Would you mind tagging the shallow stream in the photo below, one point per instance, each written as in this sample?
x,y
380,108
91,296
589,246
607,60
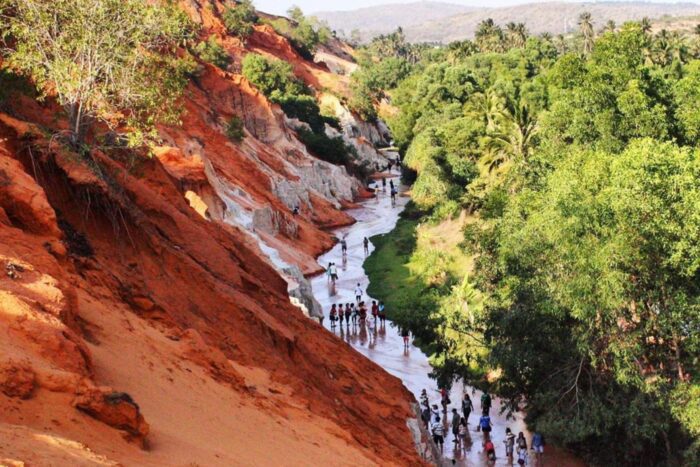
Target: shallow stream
x,y
384,345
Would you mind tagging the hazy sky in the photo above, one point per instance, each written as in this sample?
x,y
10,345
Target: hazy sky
x,y
311,6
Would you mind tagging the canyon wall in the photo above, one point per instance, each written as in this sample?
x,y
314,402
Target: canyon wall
x,y
153,310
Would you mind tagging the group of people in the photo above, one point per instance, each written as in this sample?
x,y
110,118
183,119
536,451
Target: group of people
x,y
357,314
458,427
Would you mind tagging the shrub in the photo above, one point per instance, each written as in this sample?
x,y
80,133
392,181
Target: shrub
x,y
211,52
234,129
333,150
303,108
270,75
240,20
126,59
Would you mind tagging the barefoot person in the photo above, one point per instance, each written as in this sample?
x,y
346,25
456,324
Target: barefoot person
x,y
438,433
456,420
538,446
405,334
510,443
467,407
333,315
358,293
382,312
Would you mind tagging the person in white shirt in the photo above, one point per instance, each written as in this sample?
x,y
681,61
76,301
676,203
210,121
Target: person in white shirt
x,y
358,293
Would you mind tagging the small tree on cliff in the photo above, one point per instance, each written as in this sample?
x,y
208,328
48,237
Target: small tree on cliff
x,y
99,58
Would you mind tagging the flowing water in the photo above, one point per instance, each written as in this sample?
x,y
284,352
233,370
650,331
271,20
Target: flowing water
x,y
384,345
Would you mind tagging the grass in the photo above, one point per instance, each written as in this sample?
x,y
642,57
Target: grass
x,y
414,267
387,267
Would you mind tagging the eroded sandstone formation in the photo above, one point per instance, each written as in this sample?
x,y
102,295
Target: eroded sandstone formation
x,y
145,314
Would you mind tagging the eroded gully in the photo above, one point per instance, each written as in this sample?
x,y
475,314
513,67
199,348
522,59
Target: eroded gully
x,y
385,347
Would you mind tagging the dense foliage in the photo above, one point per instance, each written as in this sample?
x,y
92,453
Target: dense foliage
x,y
575,163
212,52
98,56
276,80
240,20
304,33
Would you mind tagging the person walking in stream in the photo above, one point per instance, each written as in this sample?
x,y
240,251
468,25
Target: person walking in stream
x,y
384,184
358,293
485,403
382,313
365,242
328,271
333,272
444,399
438,433
467,407
344,247
538,446
333,315
405,334
485,424
341,314
348,313
510,443
393,197
375,311
456,420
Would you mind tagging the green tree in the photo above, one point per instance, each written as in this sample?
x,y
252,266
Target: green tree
x,y
271,75
585,24
212,52
240,19
489,36
98,56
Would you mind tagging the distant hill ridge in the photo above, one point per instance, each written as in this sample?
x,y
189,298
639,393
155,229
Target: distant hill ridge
x,y
445,22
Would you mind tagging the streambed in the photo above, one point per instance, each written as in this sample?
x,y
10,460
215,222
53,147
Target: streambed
x,y
385,346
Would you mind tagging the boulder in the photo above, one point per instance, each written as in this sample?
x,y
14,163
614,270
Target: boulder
x,y
17,379
116,409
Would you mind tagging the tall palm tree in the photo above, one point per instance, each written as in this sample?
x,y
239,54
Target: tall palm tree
x,y
560,44
678,47
489,36
486,106
585,24
514,137
645,23
522,34
610,26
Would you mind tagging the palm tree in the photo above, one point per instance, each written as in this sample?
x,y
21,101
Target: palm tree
x,y
489,36
560,44
521,33
585,24
645,23
514,136
678,47
486,106
610,26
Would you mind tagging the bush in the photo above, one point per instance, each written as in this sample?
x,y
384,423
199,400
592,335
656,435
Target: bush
x,y
271,74
211,52
234,129
333,150
240,20
303,108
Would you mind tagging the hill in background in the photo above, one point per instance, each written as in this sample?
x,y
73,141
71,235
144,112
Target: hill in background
x,y
440,22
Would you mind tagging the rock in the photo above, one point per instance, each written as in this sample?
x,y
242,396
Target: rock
x,y
116,409
17,379
143,303
301,293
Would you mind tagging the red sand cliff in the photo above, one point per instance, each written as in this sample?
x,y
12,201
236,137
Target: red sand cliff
x,y
134,331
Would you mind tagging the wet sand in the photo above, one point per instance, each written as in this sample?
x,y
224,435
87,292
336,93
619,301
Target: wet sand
x,y
385,346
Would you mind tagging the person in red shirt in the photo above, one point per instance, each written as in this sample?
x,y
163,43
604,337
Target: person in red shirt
x,y
375,310
490,450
